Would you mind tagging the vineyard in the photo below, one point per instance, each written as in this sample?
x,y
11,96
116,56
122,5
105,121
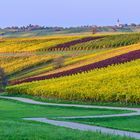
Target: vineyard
x,y
67,43
16,64
101,64
98,60
42,62
109,42
33,44
112,84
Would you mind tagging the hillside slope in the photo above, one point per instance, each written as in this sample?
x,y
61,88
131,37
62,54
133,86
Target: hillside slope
x,y
118,83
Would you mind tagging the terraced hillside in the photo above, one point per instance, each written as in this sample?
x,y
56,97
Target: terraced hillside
x,y
94,67
40,44
38,48
20,54
112,84
101,64
16,64
59,43
100,60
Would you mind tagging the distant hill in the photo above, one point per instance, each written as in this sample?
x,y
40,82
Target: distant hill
x,y
35,30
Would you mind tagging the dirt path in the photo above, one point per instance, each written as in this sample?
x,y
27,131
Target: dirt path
x,y
79,126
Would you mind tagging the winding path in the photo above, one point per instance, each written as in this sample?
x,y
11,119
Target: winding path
x,y
83,127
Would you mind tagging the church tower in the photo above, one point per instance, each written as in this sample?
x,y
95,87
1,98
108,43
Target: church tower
x,y
118,23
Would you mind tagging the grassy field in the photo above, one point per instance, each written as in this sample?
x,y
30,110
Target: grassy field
x,y
21,130
121,123
24,110
12,127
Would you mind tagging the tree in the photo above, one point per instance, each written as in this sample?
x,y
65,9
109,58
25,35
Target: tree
x,y
94,31
3,80
58,62
133,25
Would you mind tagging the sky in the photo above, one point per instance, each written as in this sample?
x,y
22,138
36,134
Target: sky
x,y
68,13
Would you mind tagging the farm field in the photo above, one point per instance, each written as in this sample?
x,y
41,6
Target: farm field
x,y
93,74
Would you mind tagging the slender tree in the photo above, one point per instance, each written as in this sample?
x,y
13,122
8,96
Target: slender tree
x,y
58,62
94,31
3,80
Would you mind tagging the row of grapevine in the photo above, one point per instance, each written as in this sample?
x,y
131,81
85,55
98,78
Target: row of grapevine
x,y
10,45
13,65
119,83
71,43
101,64
28,45
85,58
109,42
68,43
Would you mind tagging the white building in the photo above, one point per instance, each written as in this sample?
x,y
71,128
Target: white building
x,y
119,24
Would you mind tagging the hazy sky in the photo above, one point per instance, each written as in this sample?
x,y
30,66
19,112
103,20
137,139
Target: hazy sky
x,y
68,12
